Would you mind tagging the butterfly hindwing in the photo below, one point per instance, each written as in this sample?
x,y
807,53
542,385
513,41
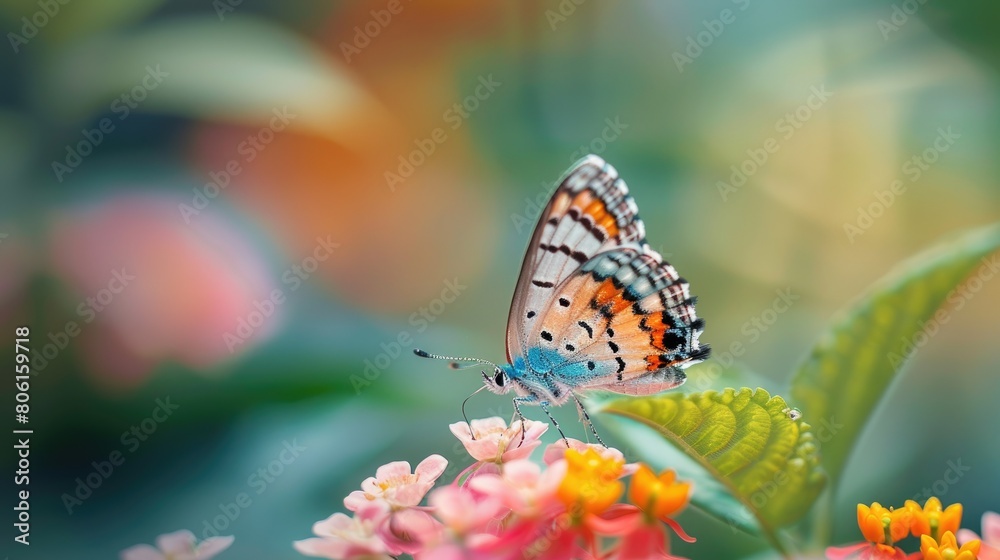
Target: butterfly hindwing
x,y
630,324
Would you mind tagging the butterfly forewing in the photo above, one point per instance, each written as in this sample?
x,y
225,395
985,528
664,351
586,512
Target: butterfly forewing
x,y
590,212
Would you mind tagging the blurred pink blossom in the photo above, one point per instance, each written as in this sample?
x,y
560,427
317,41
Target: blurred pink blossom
x,y
178,546
990,549
523,487
157,288
341,536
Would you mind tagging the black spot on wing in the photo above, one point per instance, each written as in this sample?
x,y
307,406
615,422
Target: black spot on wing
x,y
564,302
621,366
586,327
613,346
571,348
547,335
542,284
531,314
591,366
672,341
611,332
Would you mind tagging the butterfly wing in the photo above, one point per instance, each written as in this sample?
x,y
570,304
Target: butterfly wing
x,y
590,212
603,310
629,326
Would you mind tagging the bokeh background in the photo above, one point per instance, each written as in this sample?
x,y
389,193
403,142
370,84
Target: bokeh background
x,y
177,162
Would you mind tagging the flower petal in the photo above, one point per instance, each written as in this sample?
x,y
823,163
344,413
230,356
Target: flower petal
x,y
212,546
332,525
142,552
394,469
430,468
179,542
991,529
322,548
491,424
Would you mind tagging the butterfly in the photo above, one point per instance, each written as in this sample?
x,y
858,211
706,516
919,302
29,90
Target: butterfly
x,y
594,308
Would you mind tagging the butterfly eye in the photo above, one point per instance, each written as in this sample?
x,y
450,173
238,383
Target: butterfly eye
x,y
499,378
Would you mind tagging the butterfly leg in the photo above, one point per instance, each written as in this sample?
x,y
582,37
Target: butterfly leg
x,y
517,410
533,399
586,419
545,406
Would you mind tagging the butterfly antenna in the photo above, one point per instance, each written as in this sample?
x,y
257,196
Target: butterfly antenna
x,y
453,359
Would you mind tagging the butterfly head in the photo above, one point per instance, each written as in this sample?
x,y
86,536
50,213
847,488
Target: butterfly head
x,y
499,381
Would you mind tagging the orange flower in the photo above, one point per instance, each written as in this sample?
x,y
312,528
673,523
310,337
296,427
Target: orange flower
x,y
931,520
658,496
948,548
883,526
592,482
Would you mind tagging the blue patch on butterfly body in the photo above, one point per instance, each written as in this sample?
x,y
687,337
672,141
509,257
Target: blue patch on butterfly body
x,y
541,362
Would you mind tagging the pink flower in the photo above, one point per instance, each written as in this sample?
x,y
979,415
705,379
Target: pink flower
x,y
395,485
523,488
343,537
178,546
490,440
465,511
409,531
990,549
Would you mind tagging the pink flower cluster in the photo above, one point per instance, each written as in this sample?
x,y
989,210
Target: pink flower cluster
x,y
502,507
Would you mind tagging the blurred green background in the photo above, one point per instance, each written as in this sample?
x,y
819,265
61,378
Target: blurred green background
x,y
380,170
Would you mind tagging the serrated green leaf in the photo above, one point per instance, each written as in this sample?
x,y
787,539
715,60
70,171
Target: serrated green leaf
x,y
852,365
748,442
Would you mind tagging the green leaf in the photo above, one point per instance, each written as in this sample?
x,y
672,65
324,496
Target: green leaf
x,y
854,362
748,442
243,70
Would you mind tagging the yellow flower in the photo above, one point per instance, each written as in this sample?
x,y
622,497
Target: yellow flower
x,y
931,520
880,525
592,482
948,548
659,496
